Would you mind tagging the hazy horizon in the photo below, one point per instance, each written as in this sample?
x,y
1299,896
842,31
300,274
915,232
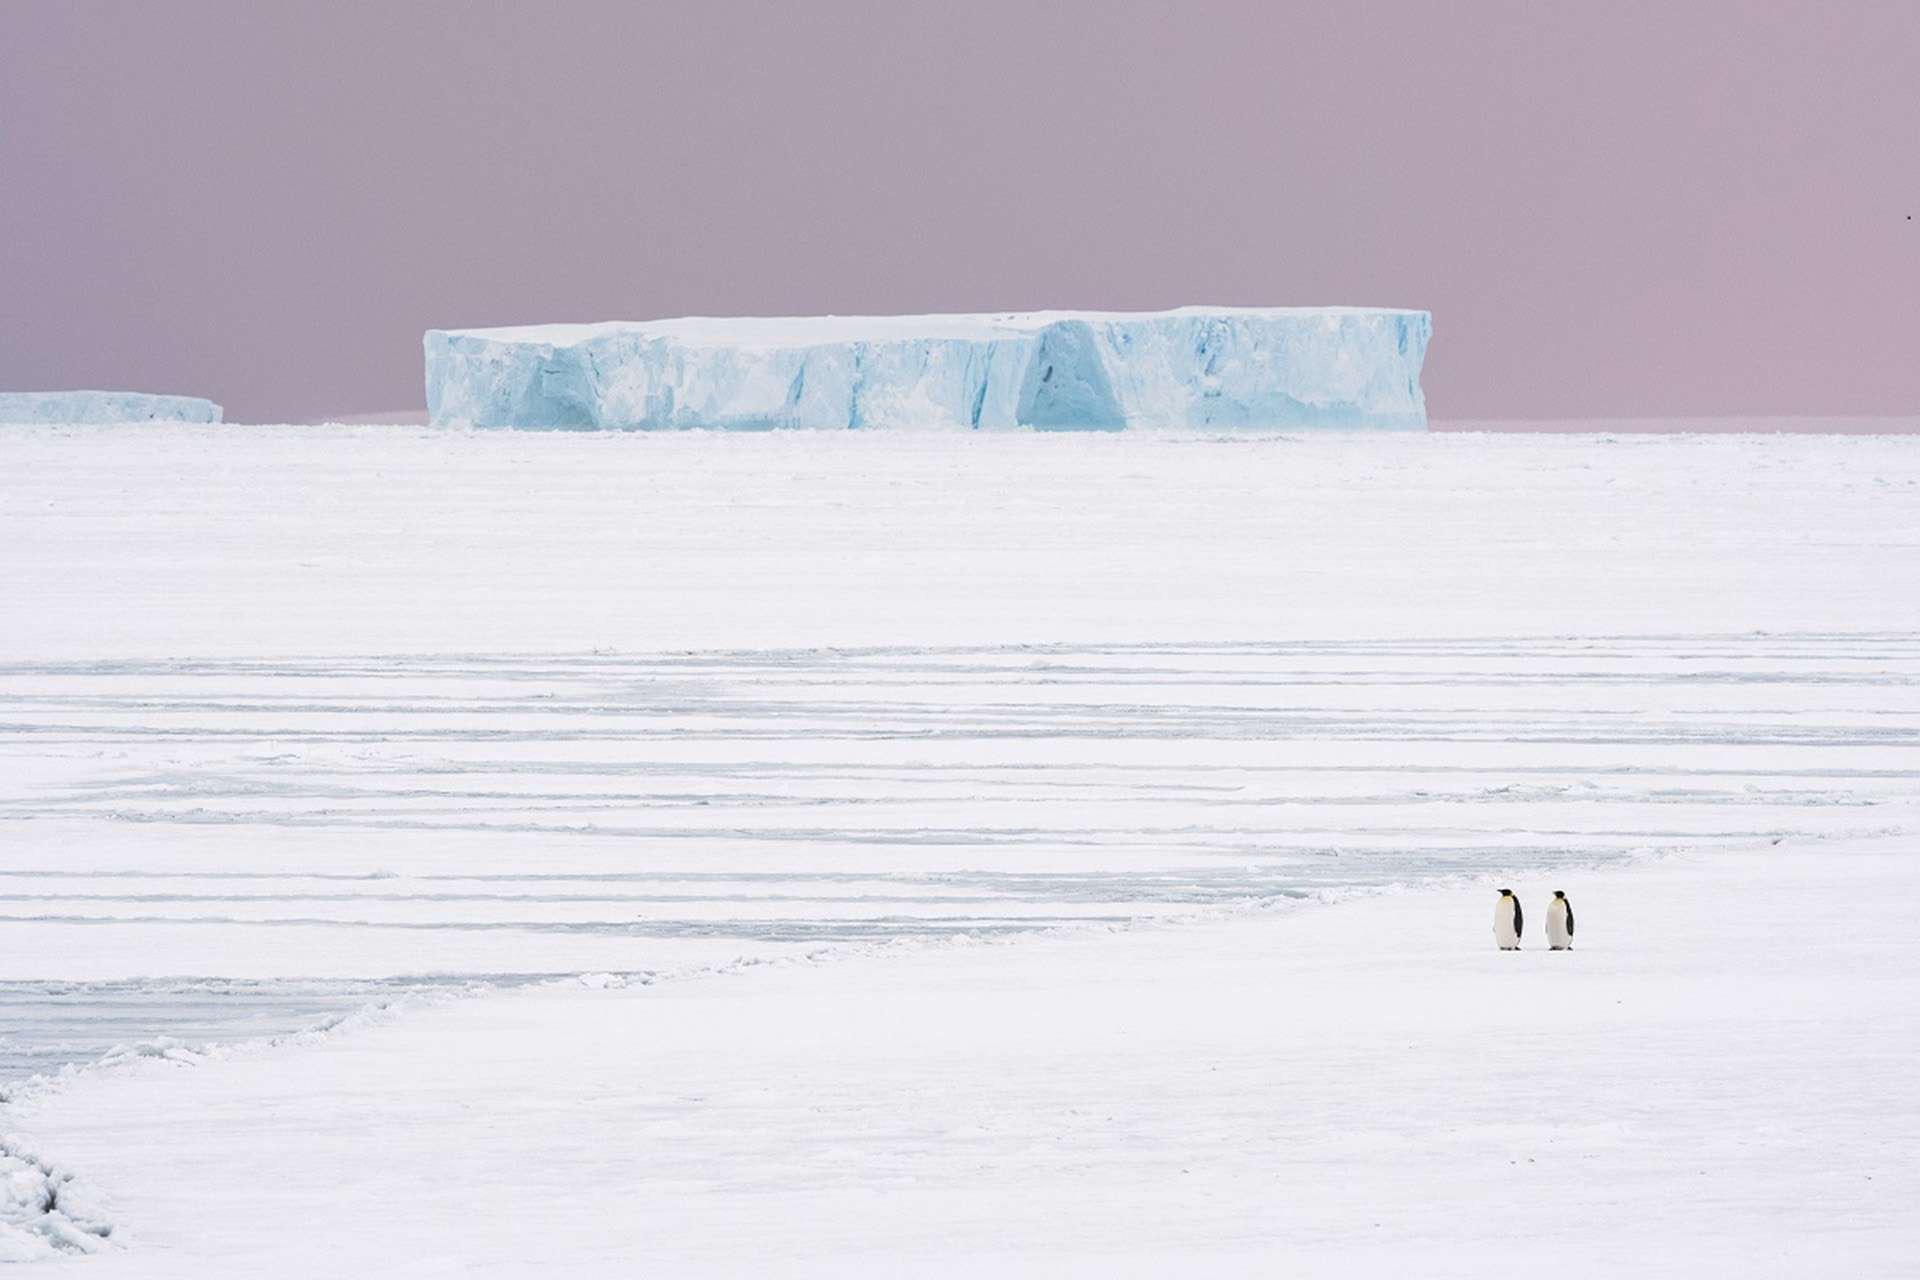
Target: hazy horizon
x,y
1624,211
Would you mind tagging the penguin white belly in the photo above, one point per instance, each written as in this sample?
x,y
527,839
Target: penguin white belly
x,y
1503,930
1559,937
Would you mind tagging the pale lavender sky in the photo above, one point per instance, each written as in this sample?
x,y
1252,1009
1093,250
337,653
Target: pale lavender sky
x,y
1611,208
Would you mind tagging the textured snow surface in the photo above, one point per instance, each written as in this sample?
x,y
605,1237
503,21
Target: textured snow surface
x,y
102,407
1054,370
844,855
1717,1080
470,819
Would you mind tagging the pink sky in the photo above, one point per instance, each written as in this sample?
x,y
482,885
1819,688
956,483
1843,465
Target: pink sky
x,y
1615,209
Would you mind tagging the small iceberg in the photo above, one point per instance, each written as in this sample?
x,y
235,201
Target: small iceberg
x,y
103,406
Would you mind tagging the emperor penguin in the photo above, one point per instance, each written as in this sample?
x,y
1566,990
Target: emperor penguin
x,y
1508,921
1560,922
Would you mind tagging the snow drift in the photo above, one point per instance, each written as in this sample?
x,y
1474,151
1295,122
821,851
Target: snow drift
x,y
1053,370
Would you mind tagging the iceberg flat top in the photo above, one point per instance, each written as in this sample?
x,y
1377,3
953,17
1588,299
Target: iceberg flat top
x,y
805,331
1206,367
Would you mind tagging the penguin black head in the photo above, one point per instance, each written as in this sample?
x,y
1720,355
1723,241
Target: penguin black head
x,y
1558,894
1506,893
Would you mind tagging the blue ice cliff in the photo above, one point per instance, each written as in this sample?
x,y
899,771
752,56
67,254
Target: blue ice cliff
x,y
103,406
1050,370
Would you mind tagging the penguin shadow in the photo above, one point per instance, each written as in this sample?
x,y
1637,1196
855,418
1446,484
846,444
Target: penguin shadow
x,y
1510,922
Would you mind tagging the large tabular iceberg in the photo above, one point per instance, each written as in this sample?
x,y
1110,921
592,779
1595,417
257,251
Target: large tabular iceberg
x,y
103,406
1058,370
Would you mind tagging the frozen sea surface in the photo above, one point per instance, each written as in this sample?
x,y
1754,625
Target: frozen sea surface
x,y
201,851
297,720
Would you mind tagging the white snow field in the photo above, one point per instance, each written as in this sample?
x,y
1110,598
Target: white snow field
x,y
428,852
1208,367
